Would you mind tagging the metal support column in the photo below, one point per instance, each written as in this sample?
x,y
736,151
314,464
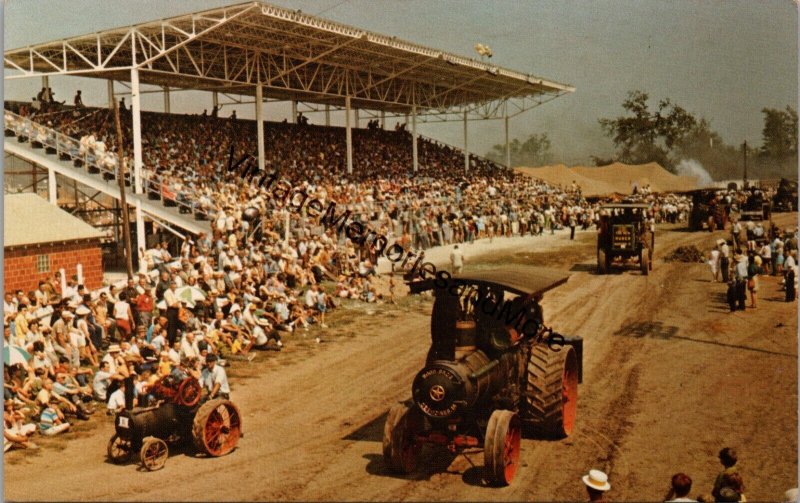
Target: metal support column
x,y
51,186
327,115
141,243
508,146
414,138
166,100
357,118
349,135
214,99
294,112
466,145
136,112
260,124
383,119
110,94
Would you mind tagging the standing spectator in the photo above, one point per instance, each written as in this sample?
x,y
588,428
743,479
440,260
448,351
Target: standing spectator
x,y
740,273
790,275
124,317
714,263
78,101
173,309
766,257
753,270
572,223
131,292
456,261
777,254
728,458
724,259
680,486
144,306
596,486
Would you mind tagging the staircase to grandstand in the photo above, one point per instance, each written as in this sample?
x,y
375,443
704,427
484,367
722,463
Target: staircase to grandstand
x,y
46,147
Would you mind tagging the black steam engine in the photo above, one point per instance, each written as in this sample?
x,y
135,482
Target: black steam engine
x,y
493,372
180,414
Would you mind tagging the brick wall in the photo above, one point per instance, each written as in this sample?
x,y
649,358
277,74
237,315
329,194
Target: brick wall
x,y
20,264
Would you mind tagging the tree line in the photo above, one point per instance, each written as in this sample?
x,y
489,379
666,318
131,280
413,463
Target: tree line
x,y
667,133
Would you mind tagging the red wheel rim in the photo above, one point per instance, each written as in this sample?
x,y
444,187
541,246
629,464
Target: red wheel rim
x,y
189,392
569,394
511,449
222,430
154,455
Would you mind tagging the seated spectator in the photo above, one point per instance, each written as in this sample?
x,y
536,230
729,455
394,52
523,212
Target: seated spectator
x,y
102,380
52,422
16,431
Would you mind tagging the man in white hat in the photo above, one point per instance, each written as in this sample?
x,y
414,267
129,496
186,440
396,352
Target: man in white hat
x,y
596,485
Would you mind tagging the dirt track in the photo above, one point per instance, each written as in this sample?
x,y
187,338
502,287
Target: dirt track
x,y
670,377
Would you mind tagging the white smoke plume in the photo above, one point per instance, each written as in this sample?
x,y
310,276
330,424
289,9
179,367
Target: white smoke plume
x,y
690,167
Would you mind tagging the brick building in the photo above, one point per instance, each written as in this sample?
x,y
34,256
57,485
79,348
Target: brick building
x,y
40,238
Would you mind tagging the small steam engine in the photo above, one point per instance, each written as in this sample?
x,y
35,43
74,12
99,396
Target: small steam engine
x,y
180,414
493,370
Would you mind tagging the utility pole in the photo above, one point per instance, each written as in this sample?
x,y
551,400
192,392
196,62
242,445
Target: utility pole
x,y
744,153
126,224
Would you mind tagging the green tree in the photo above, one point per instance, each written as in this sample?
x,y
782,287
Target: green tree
x,y
646,135
534,151
779,133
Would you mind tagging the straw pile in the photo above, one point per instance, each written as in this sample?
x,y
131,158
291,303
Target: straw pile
x,y
690,254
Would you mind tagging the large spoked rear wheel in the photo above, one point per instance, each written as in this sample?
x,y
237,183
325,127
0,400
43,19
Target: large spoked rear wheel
x,y
551,395
401,450
154,453
119,450
502,446
217,427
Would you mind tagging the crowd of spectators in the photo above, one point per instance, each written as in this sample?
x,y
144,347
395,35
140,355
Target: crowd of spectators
x,y
728,485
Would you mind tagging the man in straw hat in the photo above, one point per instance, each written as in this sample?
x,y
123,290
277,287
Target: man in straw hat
x,y
596,485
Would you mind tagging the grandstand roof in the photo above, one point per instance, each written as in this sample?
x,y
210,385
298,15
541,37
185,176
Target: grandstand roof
x,y
295,56
31,220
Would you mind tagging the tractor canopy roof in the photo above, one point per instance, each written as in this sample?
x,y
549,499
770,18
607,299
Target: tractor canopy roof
x,y
520,280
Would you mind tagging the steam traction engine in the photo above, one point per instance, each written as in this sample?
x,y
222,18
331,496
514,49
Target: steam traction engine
x,y
180,414
493,371
623,234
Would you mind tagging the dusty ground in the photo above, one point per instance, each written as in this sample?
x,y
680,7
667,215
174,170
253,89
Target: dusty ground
x,y
670,377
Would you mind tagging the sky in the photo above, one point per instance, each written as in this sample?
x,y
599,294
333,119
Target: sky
x,y
721,60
